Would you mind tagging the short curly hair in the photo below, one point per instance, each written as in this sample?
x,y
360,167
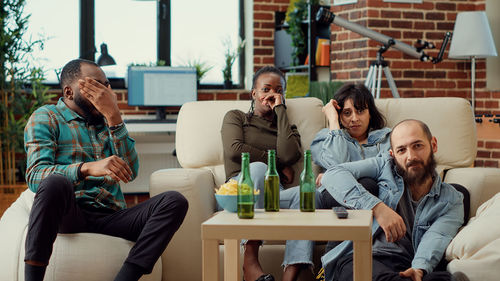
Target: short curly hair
x,y
72,71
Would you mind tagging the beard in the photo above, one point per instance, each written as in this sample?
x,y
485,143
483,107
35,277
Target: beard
x,y
90,113
420,173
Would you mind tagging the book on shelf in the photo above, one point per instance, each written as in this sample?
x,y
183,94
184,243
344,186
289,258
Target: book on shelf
x,y
322,56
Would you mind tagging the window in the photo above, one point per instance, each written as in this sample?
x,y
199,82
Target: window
x,y
198,32
60,28
129,29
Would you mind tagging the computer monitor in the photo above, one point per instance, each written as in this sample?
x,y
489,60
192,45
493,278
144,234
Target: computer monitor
x,y
161,86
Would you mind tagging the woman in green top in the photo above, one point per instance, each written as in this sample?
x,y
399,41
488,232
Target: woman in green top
x,y
265,126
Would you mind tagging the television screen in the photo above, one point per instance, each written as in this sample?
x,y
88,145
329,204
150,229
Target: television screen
x,y
161,85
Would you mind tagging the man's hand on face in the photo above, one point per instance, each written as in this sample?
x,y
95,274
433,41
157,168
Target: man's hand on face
x,y
414,273
103,98
112,166
393,225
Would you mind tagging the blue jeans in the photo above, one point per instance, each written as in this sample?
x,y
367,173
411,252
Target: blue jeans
x,y
297,251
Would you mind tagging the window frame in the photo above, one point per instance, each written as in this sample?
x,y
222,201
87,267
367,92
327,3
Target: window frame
x,y
88,50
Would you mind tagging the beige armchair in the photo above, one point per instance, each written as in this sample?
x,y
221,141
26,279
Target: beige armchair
x,y
79,256
199,151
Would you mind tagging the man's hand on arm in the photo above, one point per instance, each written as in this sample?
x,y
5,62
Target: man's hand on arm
x,y
103,98
414,273
392,223
112,166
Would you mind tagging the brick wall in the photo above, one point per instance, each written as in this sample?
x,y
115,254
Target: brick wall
x,y
352,53
263,33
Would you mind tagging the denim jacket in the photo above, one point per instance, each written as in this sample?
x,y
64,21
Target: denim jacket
x,y
332,147
437,219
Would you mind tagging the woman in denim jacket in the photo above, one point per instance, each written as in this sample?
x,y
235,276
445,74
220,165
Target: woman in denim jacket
x,y
356,131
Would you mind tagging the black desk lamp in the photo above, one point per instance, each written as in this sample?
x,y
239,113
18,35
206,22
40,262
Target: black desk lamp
x,y
105,58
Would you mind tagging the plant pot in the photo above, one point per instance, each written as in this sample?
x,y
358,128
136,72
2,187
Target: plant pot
x,y
228,84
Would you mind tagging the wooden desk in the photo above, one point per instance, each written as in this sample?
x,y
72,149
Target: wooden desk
x,y
321,225
154,143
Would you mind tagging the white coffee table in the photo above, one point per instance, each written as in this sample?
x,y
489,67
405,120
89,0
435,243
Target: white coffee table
x,y
321,225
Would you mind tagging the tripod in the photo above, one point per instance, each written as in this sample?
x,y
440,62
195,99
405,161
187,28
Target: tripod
x,y
374,77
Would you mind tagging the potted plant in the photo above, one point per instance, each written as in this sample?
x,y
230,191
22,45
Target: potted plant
x,y
230,56
201,69
21,91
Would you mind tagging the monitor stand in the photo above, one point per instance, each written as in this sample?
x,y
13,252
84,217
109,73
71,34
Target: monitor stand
x,y
160,113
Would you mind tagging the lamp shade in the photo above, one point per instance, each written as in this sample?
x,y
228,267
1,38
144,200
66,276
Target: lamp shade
x,y
472,37
105,58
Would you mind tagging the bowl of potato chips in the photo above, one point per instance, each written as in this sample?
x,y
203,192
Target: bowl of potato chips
x,y
227,196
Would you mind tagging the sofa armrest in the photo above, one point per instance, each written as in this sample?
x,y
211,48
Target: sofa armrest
x,y
482,183
183,255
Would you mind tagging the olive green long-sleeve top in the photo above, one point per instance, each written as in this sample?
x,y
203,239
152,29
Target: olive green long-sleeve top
x,y
242,133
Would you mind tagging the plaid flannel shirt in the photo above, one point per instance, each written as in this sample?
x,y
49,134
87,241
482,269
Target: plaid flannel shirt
x,y
58,140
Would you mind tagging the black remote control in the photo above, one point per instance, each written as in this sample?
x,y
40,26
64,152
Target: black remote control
x,y
341,212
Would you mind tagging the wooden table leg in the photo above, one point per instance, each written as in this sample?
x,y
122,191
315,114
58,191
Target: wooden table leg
x,y
210,260
232,259
362,263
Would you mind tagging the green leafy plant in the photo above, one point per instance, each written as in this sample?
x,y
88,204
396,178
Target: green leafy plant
x,y
230,55
324,90
21,88
296,14
201,67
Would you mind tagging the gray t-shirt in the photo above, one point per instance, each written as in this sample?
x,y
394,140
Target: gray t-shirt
x,y
404,248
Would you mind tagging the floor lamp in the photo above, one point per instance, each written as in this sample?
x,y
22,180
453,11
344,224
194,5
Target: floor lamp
x,y
472,39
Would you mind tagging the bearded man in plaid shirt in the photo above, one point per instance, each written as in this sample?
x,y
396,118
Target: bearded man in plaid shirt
x,y
78,152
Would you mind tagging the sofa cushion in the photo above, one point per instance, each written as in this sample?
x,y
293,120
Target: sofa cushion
x,y
475,251
449,119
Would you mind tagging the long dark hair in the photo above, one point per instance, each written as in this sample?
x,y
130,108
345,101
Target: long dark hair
x,y
361,99
263,70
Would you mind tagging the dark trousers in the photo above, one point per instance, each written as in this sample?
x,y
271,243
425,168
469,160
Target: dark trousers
x,y
385,268
151,224
328,201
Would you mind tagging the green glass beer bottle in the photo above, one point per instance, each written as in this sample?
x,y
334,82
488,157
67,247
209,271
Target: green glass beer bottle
x,y
307,185
245,189
271,184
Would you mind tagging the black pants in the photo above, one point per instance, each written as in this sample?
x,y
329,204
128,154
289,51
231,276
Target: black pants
x,y
368,183
385,268
151,224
